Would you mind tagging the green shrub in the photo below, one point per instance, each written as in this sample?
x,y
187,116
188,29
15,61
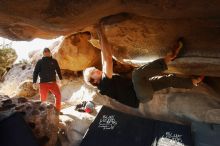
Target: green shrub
x,y
7,58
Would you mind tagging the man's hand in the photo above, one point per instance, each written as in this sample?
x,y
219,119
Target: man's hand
x,y
35,86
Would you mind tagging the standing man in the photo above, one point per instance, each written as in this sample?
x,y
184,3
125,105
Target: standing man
x,y
46,68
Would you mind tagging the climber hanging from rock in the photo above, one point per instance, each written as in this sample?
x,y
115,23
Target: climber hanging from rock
x,y
145,80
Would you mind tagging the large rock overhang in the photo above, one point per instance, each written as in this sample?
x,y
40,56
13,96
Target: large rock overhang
x,y
138,30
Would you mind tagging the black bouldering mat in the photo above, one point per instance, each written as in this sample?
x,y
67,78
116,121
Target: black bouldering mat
x,y
170,134
206,134
15,132
114,128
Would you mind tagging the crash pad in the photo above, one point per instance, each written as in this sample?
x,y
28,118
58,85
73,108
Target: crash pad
x,y
114,128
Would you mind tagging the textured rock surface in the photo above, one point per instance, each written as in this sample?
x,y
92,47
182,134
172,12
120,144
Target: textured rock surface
x,y
73,52
76,53
51,18
41,117
139,39
25,89
18,81
198,104
139,30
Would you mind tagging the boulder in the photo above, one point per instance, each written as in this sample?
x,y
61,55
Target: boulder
x,y
18,81
76,53
42,118
25,89
184,105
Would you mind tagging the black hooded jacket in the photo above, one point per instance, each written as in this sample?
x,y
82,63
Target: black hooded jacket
x,y
46,68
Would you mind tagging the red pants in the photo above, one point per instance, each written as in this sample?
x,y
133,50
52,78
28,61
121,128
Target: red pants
x,y
54,89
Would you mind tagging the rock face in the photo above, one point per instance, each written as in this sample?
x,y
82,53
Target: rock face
x,y
76,53
25,89
138,30
140,39
197,104
50,18
73,52
41,117
18,81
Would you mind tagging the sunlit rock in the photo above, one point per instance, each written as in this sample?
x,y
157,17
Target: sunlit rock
x,y
198,104
25,89
52,18
76,53
14,79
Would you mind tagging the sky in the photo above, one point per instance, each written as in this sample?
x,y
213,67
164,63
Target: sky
x,y
22,48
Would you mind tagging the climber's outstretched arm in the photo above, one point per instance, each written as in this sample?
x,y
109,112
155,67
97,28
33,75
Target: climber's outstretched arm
x,y
106,52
